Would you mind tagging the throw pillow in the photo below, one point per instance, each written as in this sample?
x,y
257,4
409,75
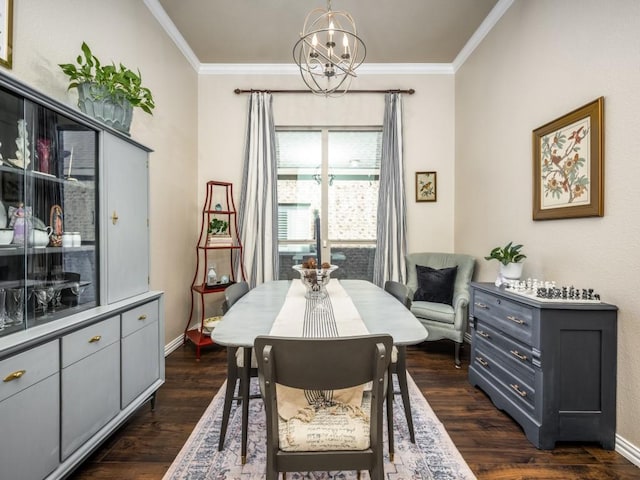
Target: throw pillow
x,y
435,285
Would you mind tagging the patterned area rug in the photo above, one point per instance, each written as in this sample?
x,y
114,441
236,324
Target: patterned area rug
x,y
432,457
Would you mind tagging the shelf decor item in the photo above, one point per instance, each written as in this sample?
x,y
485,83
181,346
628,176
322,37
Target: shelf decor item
x,y
426,187
568,165
107,92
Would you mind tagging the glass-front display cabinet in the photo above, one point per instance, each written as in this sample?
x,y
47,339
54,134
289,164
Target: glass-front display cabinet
x,y
48,214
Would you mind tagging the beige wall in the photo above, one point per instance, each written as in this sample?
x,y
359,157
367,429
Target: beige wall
x,y
48,33
428,135
542,60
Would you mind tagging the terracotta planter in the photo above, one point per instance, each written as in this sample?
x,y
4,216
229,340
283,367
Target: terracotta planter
x,y
95,101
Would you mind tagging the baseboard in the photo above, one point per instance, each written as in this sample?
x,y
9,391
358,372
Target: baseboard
x,y
628,450
173,345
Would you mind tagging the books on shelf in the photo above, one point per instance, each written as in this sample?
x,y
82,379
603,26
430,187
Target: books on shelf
x,y
219,241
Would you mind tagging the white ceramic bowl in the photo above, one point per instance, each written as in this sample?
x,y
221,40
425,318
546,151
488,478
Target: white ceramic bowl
x,y
6,236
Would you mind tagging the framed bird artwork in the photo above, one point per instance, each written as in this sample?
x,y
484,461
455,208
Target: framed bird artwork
x,y
426,187
568,165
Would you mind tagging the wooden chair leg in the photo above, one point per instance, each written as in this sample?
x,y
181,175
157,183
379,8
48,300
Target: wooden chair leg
x,y
232,379
244,386
401,373
458,345
390,415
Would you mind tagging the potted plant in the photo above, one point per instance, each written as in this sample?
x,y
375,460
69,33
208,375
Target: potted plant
x,y
107,92
510,259
217,235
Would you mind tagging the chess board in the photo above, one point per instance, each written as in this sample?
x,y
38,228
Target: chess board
x,y
549,292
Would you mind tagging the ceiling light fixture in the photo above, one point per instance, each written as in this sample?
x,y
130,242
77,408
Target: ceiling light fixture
x,y
329,51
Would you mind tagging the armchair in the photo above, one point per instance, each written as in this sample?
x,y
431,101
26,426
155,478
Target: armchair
x,y
442,320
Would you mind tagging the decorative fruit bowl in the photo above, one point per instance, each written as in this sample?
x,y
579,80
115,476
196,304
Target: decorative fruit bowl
x,y
315,279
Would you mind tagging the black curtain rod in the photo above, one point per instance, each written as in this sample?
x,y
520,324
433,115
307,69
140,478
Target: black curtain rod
x,y
410,91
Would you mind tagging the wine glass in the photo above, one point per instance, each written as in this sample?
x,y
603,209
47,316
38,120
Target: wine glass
x,y
3,311
18,314
44,295
77,289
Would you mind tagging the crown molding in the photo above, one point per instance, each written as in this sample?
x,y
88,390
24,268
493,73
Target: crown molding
x,y
293,69
485,27
169,27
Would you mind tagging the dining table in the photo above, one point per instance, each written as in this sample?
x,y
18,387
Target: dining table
x,y
255,313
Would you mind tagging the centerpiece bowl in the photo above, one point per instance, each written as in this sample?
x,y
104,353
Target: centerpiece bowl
x,y
314,279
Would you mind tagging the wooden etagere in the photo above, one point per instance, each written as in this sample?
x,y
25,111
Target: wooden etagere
x,y
218,204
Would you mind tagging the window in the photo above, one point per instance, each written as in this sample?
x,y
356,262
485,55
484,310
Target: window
x,y
333,172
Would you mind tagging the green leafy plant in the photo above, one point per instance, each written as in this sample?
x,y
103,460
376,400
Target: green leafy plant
x,y
119,82
508,254
217,226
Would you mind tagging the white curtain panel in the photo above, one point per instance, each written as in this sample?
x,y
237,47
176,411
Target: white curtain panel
x,y
258,213
391,247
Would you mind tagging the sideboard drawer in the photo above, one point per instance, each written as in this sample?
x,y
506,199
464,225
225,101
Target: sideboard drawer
x,y
28,368
139,317
513,354
89,340
512,318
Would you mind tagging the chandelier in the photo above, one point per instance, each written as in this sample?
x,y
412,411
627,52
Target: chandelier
x,y
329,51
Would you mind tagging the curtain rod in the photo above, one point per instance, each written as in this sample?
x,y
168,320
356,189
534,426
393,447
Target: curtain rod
x,y
410,91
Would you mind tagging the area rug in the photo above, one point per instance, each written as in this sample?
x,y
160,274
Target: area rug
x,y
432,457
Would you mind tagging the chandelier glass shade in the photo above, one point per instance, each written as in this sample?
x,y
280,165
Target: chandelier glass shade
x,y
329,51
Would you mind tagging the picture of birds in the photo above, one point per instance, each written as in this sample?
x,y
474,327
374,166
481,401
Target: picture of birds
x,y
425,186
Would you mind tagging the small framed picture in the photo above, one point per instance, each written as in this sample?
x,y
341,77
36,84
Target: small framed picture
x,y
426,187
6,32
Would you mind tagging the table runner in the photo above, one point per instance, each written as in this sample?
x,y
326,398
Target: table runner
x,y
333,315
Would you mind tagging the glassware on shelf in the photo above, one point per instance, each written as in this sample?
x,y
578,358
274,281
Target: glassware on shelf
x,y
44,295
3,311
77,289
17,316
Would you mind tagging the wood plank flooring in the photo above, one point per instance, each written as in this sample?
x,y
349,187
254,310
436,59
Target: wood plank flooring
x,y
493,445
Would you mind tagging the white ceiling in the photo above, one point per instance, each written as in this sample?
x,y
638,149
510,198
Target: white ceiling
x,y
264,31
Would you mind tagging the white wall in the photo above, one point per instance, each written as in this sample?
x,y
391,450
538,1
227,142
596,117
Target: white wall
x,y
542,60
428,135
48,33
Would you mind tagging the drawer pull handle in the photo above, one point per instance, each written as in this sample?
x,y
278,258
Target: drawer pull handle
x,y
515,319
483,334
482,361
114,217
142,317
517,354
95,339
15,375
480,305
520,392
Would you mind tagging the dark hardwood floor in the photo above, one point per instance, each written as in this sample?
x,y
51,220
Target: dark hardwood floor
x,y
493,445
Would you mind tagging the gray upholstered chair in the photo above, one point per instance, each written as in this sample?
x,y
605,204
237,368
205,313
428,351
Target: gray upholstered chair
x,y
442,320
399,358
236,373
324,364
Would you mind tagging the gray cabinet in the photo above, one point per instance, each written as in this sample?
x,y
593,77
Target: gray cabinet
x,y
125,218
550,364
90,383
29,413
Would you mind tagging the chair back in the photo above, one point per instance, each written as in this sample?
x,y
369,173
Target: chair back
x,y
324,364
399,291
465,264
235,292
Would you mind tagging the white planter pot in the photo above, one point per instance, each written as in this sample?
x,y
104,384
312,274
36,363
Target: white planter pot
x,y
511,271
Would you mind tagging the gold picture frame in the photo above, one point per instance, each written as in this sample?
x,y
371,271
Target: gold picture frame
x,y
426,187
6,33
568,165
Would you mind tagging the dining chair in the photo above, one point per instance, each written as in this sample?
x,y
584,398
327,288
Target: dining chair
x,y
237,374
399,358
338,430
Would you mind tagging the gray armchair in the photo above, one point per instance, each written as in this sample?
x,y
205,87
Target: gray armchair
x,y
442,320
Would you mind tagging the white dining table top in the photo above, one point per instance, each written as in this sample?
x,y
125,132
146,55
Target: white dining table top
x,y
255,312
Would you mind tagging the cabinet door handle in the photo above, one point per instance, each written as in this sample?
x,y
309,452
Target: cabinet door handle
x,y
517,354
114,217
95,339
482,361
480,305
518,390
515,319
142,317
14,376
483,334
